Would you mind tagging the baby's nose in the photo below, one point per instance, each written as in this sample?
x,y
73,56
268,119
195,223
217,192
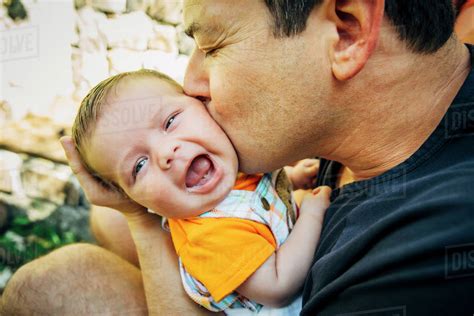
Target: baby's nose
x,y
167,156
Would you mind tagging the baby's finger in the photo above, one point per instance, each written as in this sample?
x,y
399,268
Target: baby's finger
x,y
323,193
93,189
312,171
310,162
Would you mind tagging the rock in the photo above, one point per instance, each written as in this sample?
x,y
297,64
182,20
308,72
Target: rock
x,y
18,240
64,109
88,68
35,135
87,22
16,10
3,215
164,39
76,67
5,113
94,67
5,21
173,66
10,171
38,67
132,31
139,5
75,196
158,60
121,60
46,180
75,41
109,6
5,275
15,204
81,90
73,220
167,11
38,210
79,4
3,13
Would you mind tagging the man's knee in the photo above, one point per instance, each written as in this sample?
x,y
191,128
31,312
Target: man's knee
x,y
77,279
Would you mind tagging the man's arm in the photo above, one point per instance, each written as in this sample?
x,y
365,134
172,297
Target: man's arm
x,y
282,276
158,261
159,265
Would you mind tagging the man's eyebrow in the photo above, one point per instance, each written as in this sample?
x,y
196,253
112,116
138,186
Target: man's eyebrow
x,y
192,29
211,30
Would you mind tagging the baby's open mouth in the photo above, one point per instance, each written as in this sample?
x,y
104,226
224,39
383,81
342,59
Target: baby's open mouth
x,y
199,172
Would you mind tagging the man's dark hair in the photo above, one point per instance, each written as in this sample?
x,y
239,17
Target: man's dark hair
x,y
424,24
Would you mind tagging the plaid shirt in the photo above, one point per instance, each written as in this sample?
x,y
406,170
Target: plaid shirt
x,y
263,206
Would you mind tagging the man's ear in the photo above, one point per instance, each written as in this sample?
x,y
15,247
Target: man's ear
x,y
358,25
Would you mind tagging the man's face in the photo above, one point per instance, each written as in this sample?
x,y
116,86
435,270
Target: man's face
x,y
263,91
163,149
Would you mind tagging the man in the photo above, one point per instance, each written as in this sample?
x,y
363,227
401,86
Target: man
x,y
366,85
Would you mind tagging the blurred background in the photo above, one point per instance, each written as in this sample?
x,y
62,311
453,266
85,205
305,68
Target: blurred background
x,y
51,53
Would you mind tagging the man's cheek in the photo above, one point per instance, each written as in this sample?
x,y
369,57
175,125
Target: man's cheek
x,y
219,109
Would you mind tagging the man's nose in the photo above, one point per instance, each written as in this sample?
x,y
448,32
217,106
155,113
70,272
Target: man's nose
x,y
196,80
166,155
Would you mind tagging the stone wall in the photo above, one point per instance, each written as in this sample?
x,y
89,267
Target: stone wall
x,y
42,206
116,36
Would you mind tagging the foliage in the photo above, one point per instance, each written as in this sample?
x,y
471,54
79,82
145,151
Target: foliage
x,y
24,240
16,10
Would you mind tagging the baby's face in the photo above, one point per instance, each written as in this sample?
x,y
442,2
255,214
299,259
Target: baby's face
x,y
163,148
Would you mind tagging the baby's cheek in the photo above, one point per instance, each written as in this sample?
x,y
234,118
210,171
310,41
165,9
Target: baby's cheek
x,y
145,195
163,198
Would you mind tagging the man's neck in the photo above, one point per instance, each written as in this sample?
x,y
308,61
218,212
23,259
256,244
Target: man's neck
x,y
395,120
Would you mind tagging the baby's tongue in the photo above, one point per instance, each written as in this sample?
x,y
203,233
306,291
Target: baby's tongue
x,y
198,169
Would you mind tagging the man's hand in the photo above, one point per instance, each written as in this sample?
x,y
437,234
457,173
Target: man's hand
x,y
95,192
303,174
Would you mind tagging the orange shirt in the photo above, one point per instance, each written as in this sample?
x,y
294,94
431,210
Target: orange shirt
x,y
465,24
222,253
469,3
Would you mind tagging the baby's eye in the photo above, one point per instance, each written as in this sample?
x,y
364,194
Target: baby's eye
x,y
170,121
138,166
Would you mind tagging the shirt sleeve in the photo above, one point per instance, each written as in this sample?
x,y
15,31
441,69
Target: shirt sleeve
x,y
222,253
468,4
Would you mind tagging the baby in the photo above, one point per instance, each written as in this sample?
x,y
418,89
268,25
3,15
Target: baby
x,y
139,134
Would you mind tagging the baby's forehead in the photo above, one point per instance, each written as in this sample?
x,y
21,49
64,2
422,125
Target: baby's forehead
x,y
141,94
141,86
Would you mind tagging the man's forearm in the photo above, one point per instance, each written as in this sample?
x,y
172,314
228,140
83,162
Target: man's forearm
x,y
159,265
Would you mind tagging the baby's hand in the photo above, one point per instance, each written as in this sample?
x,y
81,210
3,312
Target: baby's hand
x,y
95,192
303,174
315,204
